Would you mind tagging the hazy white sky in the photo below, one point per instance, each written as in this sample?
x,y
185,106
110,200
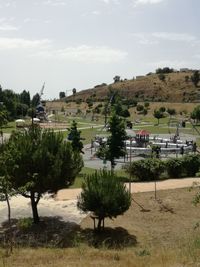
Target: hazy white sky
x,y
81,43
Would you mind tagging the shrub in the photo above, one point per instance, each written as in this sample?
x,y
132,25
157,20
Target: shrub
x,y
24,223
140,107
191,164
175,167
146,170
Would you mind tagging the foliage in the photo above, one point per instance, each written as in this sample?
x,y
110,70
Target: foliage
x,y
196,113
146,170
195,78
139,107
162,109
175,167
161,77
164,70
171,111
61,95
114,148
37,162
158,114
104,195
35,100
25,98
116,78
75,138
3,118
191,164
24,223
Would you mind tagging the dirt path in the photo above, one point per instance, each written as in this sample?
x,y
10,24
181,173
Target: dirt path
x,y
69,194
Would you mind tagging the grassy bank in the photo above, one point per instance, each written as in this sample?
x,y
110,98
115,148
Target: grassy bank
x,y
166,232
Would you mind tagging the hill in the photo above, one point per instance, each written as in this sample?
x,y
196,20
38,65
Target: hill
x,y
176,87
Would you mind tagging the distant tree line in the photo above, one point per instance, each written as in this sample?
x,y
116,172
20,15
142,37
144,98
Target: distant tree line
x,y
14,105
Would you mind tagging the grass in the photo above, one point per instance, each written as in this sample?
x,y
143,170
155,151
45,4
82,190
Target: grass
x,y
86,171
166,234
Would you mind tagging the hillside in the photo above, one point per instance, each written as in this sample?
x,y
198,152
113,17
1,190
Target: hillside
x,y
175,88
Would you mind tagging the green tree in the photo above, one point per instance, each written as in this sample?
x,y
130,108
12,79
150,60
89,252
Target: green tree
x,y
35,100
195,78
158,115
37,162
105,196
75,138
196,113
25,98
115,147
61,95
171,111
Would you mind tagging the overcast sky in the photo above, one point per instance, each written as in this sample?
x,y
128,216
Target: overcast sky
x,y
81,43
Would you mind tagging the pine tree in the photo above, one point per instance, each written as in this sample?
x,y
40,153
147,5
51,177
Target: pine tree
x,y
75,138
105,196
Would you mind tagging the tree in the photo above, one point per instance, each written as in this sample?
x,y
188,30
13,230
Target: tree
x,y
195,78
158,115
37,162
35,100
61,95
75,138
196,113
105,196
74,91
171,111
21,109
115,147
116,78
139,107
25,98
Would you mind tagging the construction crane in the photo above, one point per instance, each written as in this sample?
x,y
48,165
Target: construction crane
x,y
42,91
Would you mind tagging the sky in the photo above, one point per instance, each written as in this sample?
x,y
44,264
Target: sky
x,y
81,43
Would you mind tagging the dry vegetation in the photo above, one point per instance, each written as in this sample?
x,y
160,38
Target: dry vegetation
x,y
148,88
165,233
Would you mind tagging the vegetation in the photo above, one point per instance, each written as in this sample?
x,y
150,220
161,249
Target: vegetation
x,y
196,113
195,78
158,114
75,138
36,162
105,196
114,148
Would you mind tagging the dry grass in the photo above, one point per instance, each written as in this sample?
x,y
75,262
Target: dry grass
x,y
173,89
165,233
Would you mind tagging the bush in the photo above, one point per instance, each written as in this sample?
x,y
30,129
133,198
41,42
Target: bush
x,y
24,223
191,164
175,168
140,107
146,170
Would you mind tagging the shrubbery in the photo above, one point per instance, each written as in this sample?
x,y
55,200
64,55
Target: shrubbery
x,y
151,169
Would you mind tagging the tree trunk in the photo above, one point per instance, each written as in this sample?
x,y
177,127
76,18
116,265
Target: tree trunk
x,y
155,190
34,203
8,204
99,224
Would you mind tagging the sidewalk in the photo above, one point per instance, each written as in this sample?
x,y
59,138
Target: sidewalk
x,y
67,194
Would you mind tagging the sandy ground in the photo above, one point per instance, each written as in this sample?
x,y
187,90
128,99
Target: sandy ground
x,y
64,205
48,206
